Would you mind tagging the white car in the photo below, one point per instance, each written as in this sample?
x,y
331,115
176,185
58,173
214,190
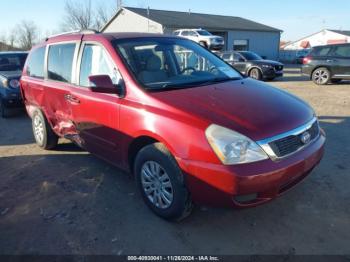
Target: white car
x,y
202,37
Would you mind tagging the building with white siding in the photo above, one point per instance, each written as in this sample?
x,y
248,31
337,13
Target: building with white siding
x,y
324,37
239,33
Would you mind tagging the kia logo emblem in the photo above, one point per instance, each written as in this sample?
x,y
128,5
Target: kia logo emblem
x,y
305,137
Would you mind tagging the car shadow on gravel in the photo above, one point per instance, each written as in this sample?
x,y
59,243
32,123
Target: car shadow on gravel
x,y
68,147
16,130
73,203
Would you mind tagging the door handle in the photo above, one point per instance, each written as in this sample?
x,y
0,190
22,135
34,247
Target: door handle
x,y
331,60
72,99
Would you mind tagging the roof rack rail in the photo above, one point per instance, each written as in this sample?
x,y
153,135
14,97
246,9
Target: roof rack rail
x,y
84,31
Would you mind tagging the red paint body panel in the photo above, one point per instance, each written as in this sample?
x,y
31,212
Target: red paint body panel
x,y
107,126
212,184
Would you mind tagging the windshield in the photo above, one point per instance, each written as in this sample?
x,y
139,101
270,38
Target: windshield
x,y
164,63
203,32
12,62
251,56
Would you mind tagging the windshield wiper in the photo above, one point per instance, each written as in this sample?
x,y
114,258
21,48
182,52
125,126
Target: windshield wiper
x,y
171,86
217,80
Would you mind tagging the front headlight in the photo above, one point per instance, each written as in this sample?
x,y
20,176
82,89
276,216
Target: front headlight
x,y
267,66
4,82
233,148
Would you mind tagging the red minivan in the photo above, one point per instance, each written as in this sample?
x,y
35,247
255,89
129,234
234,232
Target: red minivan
x,y
186,124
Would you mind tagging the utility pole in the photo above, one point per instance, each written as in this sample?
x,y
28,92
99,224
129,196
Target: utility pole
x,y
148,13
119,4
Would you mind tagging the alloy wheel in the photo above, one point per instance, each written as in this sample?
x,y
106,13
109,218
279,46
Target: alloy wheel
x,y
157,185
321,76
39,131
255,74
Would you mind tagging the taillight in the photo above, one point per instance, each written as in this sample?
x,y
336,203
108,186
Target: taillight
x,y
306,60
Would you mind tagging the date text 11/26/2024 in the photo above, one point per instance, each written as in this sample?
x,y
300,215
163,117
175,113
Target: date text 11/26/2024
x,y
173,258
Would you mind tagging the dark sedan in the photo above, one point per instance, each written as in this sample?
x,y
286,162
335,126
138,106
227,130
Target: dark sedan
x,y
11,65
253,65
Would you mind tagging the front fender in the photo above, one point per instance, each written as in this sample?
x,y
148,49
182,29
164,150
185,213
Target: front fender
x,y
184,139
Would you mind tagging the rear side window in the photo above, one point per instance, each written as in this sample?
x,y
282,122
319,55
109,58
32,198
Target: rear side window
x,y
237,57
342,51
35,65
60,62
321,51
185,33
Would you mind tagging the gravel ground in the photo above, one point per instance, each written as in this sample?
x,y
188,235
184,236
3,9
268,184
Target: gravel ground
x,y
69,202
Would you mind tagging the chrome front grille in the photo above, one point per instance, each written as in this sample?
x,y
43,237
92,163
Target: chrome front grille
x,y
288,143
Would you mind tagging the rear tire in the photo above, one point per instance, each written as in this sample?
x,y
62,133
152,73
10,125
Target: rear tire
x,y
321,76
255,73
3,110
43,133
161,183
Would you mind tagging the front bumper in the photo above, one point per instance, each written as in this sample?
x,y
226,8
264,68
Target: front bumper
x,y
12,99
306,70
271,73
226,186
216,46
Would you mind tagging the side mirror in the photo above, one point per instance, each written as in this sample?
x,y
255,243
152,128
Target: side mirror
x,y
104,84
241,60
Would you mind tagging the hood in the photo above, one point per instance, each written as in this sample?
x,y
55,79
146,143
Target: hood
x,y
247,106
11,74
268,62
216,37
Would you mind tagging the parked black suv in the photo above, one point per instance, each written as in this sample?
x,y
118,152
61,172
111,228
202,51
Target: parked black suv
x,y
253,65
11,65
328,64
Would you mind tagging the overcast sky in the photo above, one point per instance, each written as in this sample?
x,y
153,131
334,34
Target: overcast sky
x,y
296,18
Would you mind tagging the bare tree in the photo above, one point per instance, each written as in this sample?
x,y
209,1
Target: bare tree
x,y
101,17
11,38
80,15
27,34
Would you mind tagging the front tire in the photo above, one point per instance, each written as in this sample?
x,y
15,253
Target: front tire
x,y
321,76
161,183
255,73
43,133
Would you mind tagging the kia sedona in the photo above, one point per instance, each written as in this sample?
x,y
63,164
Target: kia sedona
x,y
190,128
11,65
328,64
